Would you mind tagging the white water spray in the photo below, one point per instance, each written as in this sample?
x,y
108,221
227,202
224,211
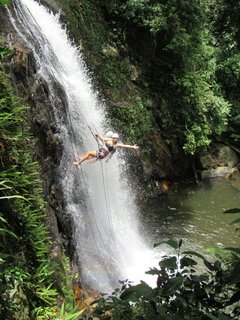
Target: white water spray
x,y
97,197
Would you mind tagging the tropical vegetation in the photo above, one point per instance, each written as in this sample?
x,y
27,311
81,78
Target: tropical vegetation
x,y
186,57
33,285
181,292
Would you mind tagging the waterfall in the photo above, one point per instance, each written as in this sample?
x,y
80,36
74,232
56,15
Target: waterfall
x,y
97,195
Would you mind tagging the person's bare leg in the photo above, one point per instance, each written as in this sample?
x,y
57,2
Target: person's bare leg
x,y
86,156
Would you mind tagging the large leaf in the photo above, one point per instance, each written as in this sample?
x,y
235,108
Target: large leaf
x,y
210,316
169,263
235,210
171,242
235,221
172,286
134,293
187,262
235,275
153,271
193,253
234,298
219,317
235,250
209,265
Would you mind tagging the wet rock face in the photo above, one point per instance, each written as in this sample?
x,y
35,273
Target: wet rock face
x,y
48,149
228,156
235,178
51,4
219,156
219,161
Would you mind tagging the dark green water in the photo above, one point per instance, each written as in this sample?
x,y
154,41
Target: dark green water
x,y
194,213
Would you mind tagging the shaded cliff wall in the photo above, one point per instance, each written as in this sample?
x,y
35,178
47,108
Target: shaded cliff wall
x,y
131,107
20,67
31,240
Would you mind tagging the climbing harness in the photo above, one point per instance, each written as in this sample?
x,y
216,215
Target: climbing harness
x,y
110,147
102,153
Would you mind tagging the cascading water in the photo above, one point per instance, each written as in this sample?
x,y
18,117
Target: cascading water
x,y
96,195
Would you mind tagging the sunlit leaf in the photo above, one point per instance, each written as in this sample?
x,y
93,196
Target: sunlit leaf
x,y
4,52
134,293
12,197
5,231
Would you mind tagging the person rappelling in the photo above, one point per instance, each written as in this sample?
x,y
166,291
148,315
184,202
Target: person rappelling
x,y
110,143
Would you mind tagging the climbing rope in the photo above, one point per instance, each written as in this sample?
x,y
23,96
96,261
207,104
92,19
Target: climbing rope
x,y
106,195
84,180
91,211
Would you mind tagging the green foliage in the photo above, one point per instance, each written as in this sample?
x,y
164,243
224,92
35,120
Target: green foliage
x,y
187,57
179,62
29,277
136,121
4,50
145,13
180,292
21,202
115,72
212,111
234,125
86,21
67,315
5,1
64,313
226,29
11,109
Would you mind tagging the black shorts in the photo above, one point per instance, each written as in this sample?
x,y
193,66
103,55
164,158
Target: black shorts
x,y
101,153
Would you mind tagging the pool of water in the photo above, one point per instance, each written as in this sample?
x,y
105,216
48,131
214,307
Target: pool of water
x,y
194,213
